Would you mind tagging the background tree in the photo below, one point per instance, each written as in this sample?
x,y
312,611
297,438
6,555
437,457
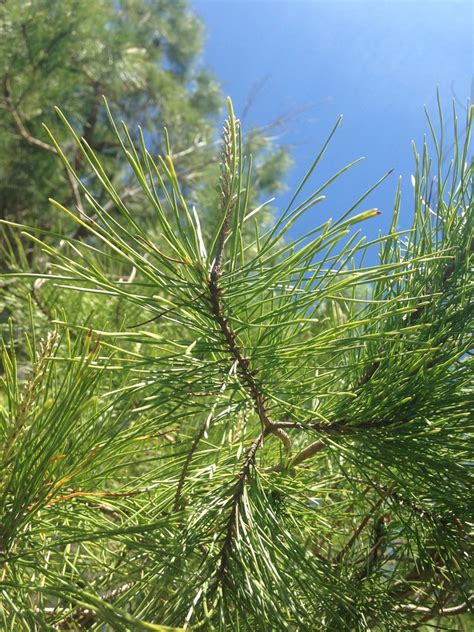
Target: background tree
x,y
142,55
235,463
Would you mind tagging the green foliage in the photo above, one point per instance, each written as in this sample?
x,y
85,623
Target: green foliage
x,y
142,55
255,440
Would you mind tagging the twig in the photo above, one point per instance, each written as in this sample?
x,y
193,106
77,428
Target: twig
x,y
24,133
350,543
377,549
306,453
224,554
452,611
323,428
243,366
86,494
187,463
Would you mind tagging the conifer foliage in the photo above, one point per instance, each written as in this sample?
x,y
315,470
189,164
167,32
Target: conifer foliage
x,y
273,435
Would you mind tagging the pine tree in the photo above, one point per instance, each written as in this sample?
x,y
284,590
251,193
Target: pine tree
x,y
230,457
143,56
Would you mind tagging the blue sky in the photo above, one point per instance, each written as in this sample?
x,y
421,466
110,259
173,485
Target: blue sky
x,y
376,62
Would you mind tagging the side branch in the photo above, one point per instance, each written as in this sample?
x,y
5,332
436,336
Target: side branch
x,y
235,501
306,453
22,130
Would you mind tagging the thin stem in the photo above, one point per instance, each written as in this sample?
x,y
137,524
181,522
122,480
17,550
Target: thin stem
x,y
235,501
452,611
201,432
306,453
350,543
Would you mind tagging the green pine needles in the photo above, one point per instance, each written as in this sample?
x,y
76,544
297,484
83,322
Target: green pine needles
x,y
239,432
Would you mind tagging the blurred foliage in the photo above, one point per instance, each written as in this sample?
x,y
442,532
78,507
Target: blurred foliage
x,y
143,56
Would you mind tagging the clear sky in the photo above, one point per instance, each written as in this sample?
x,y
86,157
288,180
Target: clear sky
x,y
376,62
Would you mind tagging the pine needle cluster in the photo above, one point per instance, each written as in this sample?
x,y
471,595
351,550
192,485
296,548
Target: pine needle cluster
x,y
234,432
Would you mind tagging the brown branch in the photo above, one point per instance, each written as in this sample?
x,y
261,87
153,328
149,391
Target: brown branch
x,y
441,599
350,543
334,427
226,549
24,133
243,365
308,452
247,374
305,453
378,547
367,375
324,428
22,130
86,494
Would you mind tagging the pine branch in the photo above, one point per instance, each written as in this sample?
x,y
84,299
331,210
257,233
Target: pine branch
x,y
199,435
243,366
377,549
224,555
306,453
369,528
358,530
27,399
23,131
228,201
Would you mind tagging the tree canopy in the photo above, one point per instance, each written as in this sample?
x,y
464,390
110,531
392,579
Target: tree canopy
x,y
143,55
